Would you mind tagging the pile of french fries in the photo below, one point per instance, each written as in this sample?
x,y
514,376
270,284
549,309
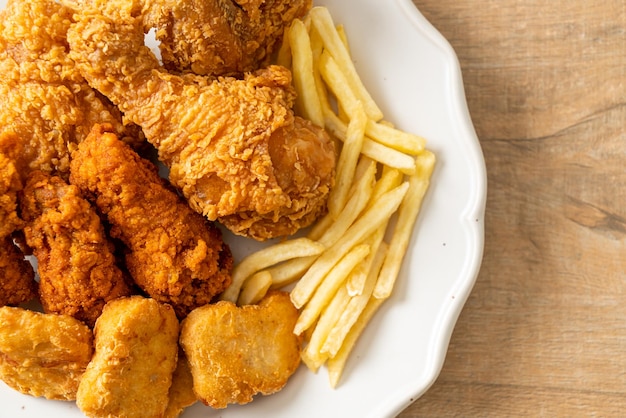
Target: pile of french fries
x,y
348,263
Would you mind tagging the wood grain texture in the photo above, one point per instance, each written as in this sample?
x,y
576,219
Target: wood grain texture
x,y
544,330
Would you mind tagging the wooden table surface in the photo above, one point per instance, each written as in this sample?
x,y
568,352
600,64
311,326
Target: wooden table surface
x,y
544,330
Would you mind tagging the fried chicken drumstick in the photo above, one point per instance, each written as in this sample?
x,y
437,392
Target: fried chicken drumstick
x,y
77,268
175,255
233,146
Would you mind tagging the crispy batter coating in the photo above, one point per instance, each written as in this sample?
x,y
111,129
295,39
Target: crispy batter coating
x,y
17,278
236,352
233,146
45,100
221,37
181,391
43,354
10,185
135,355
175,255
77,268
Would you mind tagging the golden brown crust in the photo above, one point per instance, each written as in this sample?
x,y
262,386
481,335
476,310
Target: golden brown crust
x,y
175,255
216,136
135,355
238,352
77,267
17,278
45,100
43,354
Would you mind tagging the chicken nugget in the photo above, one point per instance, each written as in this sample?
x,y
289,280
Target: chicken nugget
x,y
43,354
181,391
136,349
77,267
236,352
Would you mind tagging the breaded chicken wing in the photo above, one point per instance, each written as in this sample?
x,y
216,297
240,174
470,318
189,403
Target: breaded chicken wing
x,y
174,254
136,347
233,146
77,268
43,354
237,352
220,37
46,102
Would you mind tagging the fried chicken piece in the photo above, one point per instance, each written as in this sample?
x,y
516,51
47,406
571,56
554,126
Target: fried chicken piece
x,y
10,185
77,269
233,146
221,37
236,352
17,284
181,393
175,255
43,354
17,278
136,347
46,102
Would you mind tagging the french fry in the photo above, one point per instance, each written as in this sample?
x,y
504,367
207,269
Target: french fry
x,y
324,293
323,23
356,282
312,355
389,156
255,288
266,257
355,306
337,82
352,209
394,138
407,215
289,271
336,364
307,100
365,225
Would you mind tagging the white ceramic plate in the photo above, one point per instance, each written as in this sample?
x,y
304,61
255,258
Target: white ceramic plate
x,y
414,75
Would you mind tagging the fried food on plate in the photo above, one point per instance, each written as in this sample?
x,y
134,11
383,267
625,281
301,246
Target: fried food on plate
x,y
17,282
217,37
43,354
181,392
237,352
136,346
17,278
76,263
233,146
174,254
10,185
46,102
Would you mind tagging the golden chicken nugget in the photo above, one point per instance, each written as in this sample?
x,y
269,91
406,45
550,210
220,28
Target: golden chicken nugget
x,y
135,355
236,352
181,391
43,354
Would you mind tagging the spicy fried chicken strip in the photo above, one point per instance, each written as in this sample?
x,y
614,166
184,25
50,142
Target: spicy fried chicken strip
x,y
233,146
43,354
236,352
46,103
136,347
77,268
175,255
17,279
